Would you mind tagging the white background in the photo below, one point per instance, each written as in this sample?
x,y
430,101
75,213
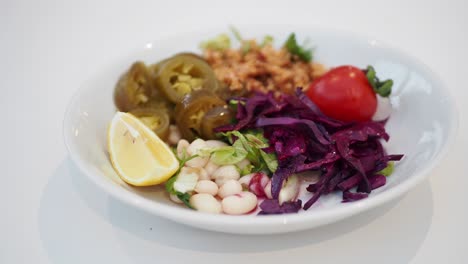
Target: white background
x,y
50,213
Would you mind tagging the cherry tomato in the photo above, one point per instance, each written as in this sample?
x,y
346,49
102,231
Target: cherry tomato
x,y
344,93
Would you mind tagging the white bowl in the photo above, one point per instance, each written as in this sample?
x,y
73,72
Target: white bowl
x,y
422,124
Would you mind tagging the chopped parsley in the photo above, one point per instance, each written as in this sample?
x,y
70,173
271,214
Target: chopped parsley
x,y
302,53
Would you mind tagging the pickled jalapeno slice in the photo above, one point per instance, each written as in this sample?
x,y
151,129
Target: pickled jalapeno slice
x,y
183,74
191,111
215,117
155,119
134,88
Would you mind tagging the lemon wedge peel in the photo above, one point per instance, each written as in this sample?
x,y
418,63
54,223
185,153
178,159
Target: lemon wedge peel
x,y
137,154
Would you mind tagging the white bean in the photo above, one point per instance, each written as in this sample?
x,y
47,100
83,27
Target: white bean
x,y
242,164
267,190
175,199
229,188
204,202
197,162
194,149
203,174
210,167
215,143
196,146
174,135
225,173
238,204
182,146
206,186
245,180
289,190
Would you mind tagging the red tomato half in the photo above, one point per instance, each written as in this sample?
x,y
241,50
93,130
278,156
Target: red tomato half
x,y
344,93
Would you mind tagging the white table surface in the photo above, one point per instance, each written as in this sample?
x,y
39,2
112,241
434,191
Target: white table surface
x,y
51,213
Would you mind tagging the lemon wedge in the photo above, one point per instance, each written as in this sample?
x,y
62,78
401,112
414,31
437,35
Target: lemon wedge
x,y
137,154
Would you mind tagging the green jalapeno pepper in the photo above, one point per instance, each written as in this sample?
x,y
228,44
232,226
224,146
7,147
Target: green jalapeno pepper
x,y
191,111
183,74
155,119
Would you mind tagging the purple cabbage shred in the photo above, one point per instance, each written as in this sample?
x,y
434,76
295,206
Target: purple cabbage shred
x,y
351,197
348,154
272,206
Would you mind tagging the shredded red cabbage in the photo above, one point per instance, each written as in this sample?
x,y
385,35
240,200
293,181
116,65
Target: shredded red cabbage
x,y
351,197
348,154
272,206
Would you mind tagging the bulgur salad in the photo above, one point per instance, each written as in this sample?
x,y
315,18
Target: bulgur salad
x,y
246,125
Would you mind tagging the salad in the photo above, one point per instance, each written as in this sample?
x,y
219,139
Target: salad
x,y
245,128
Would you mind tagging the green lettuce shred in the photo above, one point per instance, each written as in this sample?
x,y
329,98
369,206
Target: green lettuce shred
x,y
387,171
253,142
220,43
